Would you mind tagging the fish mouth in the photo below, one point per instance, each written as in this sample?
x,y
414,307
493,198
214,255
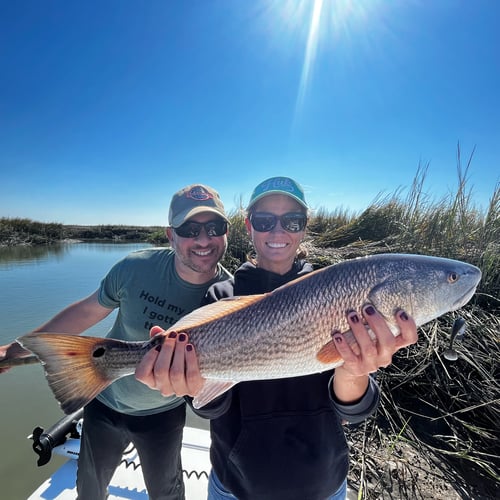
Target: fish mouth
x,y
464,298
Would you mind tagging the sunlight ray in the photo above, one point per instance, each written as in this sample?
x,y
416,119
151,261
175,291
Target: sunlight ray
x,y
310,53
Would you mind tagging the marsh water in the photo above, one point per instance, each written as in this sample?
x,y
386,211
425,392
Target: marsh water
x,y
36,283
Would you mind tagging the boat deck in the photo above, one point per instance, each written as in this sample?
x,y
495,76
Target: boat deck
x,y
127,482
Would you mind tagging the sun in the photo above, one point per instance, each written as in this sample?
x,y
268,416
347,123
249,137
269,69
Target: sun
x,y
314,25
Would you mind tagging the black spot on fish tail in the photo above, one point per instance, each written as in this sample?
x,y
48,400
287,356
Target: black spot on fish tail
x,y
99,352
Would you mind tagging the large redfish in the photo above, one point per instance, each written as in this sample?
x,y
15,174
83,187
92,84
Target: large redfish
x,y
284,333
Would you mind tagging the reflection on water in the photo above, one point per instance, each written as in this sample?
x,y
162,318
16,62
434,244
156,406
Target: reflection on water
x,y
26,255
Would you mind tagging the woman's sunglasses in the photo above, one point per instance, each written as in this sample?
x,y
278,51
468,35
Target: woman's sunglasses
x,y
191,229
293,222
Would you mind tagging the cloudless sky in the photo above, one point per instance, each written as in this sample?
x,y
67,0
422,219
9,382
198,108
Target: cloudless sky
x,y
108,107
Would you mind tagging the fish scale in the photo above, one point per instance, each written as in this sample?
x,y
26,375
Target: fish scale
x,y
284,333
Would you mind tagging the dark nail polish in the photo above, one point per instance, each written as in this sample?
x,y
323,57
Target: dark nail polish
x,y
189,348
158,348
182,337
172,335
354,317
403,316
370,310
334,333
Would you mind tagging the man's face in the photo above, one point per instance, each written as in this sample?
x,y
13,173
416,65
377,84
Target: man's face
x,y
197,258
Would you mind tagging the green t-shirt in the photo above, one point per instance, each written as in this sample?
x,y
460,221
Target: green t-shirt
x,y
148,291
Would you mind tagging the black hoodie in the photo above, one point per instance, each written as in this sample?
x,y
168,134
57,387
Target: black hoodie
x,y
280,439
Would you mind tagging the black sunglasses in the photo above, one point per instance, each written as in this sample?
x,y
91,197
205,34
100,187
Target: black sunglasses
x,y
191,229
293,222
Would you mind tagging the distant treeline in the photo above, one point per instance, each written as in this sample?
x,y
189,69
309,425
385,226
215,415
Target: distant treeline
x,y
17,231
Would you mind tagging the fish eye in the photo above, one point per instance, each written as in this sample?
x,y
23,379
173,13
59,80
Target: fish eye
x,y
99,352
452,277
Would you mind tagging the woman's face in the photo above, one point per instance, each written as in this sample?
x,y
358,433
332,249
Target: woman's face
x,y
276,249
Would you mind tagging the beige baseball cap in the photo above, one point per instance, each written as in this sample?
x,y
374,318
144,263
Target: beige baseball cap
x,y
192,200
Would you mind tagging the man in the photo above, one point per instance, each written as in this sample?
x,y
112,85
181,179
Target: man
x,y
152,287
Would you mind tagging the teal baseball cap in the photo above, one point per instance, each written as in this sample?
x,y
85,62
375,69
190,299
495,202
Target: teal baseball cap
x,y
279,185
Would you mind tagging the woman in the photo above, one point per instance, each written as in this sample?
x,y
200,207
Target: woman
x,y
282,439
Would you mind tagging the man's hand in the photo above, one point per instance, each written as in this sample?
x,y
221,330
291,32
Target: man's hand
x,y
12,351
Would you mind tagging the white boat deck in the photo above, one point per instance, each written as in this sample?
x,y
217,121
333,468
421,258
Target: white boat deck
x,y
127,482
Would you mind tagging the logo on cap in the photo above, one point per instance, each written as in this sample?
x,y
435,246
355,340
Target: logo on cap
x,y
199,193
278,185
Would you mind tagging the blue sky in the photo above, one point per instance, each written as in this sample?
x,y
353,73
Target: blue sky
x,y
108,107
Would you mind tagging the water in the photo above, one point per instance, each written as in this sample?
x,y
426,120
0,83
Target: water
x,y
36,283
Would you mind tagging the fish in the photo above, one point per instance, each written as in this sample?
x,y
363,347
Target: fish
x,y
280,334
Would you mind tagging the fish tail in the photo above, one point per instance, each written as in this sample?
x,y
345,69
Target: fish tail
x,y
69,367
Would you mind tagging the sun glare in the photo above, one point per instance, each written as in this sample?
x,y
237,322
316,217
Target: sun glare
x,y
310,52
316,25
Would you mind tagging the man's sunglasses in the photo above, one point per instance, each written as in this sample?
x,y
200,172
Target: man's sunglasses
x,y
191,229
293,222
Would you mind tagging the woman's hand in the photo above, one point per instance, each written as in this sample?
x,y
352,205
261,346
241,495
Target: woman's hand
x,y
367,355
173,369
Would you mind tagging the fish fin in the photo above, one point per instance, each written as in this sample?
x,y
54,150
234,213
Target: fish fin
x,y
69,369
328,354
211,390
214,311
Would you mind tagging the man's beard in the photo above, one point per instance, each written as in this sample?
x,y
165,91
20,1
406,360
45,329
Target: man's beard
x,y
202,267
